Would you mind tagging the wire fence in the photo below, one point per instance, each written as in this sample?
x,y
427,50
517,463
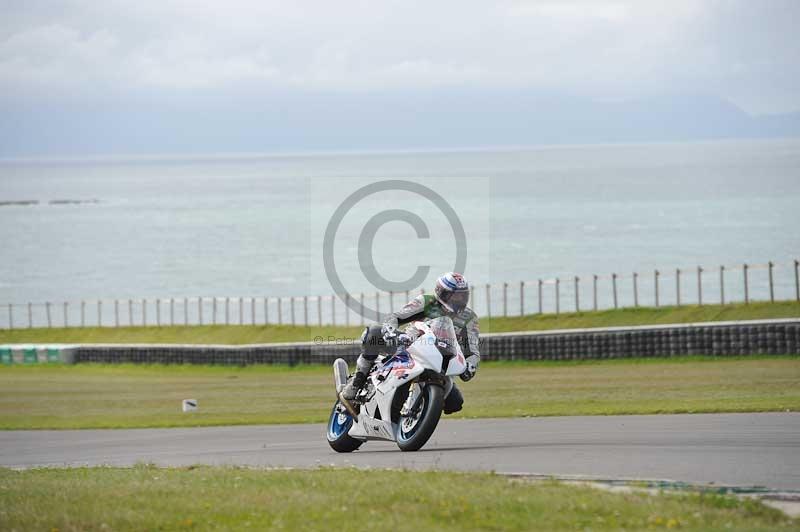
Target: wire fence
x,y
574,293
671,287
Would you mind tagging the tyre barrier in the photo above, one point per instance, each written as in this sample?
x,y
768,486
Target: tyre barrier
x,y
713,338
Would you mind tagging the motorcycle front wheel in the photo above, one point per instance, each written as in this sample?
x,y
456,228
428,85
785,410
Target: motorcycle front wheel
x,y
415,429
338,427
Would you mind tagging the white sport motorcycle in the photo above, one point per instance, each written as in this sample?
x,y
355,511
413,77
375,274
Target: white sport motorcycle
x,y
404,395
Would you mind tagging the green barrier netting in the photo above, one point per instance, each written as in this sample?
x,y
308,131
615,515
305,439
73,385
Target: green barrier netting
x,y
53,355
5,356
30,356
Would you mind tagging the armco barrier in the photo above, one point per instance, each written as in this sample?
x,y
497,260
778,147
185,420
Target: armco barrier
x,y
713,338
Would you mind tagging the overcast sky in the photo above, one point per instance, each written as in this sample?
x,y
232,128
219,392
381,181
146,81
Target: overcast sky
x,y
60,54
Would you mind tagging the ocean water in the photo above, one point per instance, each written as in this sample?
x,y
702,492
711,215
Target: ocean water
x,y
253,226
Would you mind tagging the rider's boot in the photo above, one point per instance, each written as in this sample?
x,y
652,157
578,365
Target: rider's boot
x,y
363,366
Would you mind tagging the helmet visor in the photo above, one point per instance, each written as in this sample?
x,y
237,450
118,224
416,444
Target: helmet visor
x,y
456,300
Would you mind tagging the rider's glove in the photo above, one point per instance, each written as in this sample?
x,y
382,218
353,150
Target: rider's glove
x,y
389,335
404,340
472,368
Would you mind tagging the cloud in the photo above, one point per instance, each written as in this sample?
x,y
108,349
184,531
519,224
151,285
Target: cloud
x,y
744,51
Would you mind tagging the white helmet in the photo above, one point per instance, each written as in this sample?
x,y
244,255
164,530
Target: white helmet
x,y
452,291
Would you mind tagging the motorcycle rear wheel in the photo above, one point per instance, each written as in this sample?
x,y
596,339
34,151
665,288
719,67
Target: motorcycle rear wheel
x,y
414,431
339,425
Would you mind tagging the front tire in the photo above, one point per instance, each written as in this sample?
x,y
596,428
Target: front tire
x,y
415,430
339,425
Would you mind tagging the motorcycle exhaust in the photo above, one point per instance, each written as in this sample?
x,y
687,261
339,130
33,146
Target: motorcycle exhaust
x,y
340,374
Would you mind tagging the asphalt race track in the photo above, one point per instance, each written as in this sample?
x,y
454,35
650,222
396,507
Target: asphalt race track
x,y
730,449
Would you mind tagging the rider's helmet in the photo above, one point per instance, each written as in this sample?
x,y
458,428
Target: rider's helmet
x,y
452,291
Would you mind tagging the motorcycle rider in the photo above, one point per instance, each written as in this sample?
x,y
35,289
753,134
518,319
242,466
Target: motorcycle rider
x,y
450,298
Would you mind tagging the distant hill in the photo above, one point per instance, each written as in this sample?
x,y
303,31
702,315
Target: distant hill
x,y
301,121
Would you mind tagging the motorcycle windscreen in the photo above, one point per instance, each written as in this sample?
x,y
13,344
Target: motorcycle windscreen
x,y
442,328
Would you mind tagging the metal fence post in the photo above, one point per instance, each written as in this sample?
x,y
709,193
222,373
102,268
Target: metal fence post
x,y
227,311
655,283
522,298
797,279
116,313
539,295
488,301
594,291
746,287
214,310
144,312
130,313
635,289
158,312
678,286
200,309
558,296
172,311
505,300
99,313
378,304
291,309
30,316
347,309
252,310
241,310
407,296
47,310
266,310
577,297
319,310
700,285
186,311
721,284
280,311
391,300
83,313
66,318
614,287
771,285
333,310
305,311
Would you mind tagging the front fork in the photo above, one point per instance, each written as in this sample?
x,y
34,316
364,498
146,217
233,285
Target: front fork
x,y
415,393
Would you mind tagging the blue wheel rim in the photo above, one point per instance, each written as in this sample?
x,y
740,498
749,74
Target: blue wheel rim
x,y
339,424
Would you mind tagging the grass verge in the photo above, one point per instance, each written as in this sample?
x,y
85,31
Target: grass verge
x,y
250,334
204,498
130,396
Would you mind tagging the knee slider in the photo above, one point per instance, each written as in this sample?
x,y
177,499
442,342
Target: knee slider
x,y
453,402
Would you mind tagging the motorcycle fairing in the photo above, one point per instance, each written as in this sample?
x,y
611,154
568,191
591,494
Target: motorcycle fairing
x,y
394,372
438,337
403,367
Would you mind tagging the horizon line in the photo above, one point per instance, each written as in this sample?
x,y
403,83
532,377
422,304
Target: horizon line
x,y
133,158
